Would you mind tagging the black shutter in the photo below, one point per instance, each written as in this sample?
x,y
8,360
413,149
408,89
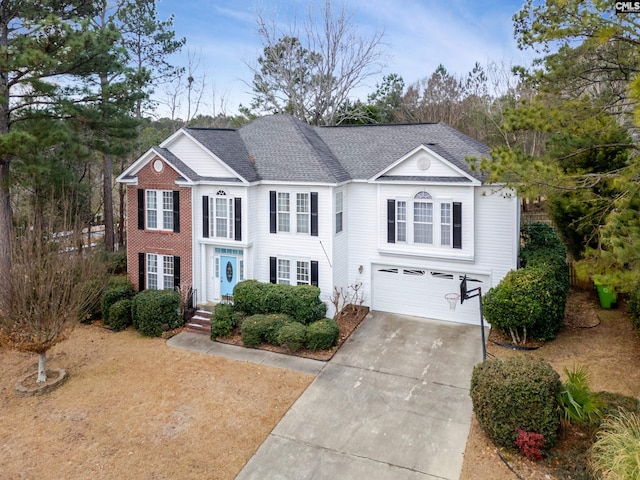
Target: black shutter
x,y
314,214
314,273
140,209
141,272
176,271
391,221
273,270
205,216
457,225
237,211
176,211
272,212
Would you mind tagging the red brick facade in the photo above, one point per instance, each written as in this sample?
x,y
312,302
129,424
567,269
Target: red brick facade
x,y
162,242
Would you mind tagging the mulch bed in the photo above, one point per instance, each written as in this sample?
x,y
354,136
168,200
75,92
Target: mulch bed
x,y
348,320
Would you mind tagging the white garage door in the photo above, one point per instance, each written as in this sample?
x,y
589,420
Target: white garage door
x,y
421,292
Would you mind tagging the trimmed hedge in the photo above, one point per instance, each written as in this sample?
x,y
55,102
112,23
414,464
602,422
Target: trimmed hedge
x,y
224,320
633,304
120,315
323,334
516,393
301,302
155,311
530,302
292,335
112,295
262,328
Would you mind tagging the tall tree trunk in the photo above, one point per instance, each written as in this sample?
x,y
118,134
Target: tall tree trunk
x,y
107,195
5,198
42,367
122,192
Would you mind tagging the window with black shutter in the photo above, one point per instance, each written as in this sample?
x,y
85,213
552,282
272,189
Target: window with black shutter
x,y
457,225
205,216
273,225
176,211
237,211
314,214
141,272
140,209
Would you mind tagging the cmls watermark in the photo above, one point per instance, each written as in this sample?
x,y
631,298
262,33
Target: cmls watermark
x,y
627,7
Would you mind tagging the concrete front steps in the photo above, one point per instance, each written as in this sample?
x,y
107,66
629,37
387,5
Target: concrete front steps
x,y
200,322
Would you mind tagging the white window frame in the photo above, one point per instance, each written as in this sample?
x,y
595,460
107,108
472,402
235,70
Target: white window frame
x,y
303,213
405,221
401,221
159,272
159,209
303,272
283,205
339,211
221,209
283,271
446,224
293,271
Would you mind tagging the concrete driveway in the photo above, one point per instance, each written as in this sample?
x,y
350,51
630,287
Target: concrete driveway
x,y
393,403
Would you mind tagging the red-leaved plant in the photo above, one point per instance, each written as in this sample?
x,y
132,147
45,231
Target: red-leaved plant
x,y
530,444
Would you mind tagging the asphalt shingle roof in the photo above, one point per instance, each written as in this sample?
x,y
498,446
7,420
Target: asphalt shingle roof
x,y
283,148
366,150
228,146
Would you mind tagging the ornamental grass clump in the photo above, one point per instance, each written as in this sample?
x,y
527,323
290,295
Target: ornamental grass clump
x,y
616,451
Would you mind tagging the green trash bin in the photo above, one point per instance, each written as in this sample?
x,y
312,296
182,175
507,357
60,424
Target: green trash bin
x,y
606,295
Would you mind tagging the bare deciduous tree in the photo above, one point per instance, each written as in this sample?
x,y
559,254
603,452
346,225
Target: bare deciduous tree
x,y
53,281
313,70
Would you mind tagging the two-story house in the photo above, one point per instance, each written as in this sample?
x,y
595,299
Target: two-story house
x,y
394,208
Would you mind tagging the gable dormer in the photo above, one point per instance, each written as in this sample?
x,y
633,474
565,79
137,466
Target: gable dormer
x,y
424,164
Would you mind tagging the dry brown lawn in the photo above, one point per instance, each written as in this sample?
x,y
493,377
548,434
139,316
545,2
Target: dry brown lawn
x,y
134,408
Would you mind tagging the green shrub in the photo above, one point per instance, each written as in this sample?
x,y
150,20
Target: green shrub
x,y
262,328
301,302
633,305
273,325
616,451
530,302
516,393
224,320
112,295
322,334
247,297
155,311
527,303
577,403
292,335
120,315
540,242
116,261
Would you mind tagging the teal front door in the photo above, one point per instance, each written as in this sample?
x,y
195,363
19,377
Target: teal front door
x,y
228,275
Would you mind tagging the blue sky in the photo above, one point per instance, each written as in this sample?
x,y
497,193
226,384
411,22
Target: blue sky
x,y
419,35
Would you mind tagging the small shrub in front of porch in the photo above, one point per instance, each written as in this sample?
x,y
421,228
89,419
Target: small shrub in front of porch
x,y
323,334
225,320
300,302
262,328
292,336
